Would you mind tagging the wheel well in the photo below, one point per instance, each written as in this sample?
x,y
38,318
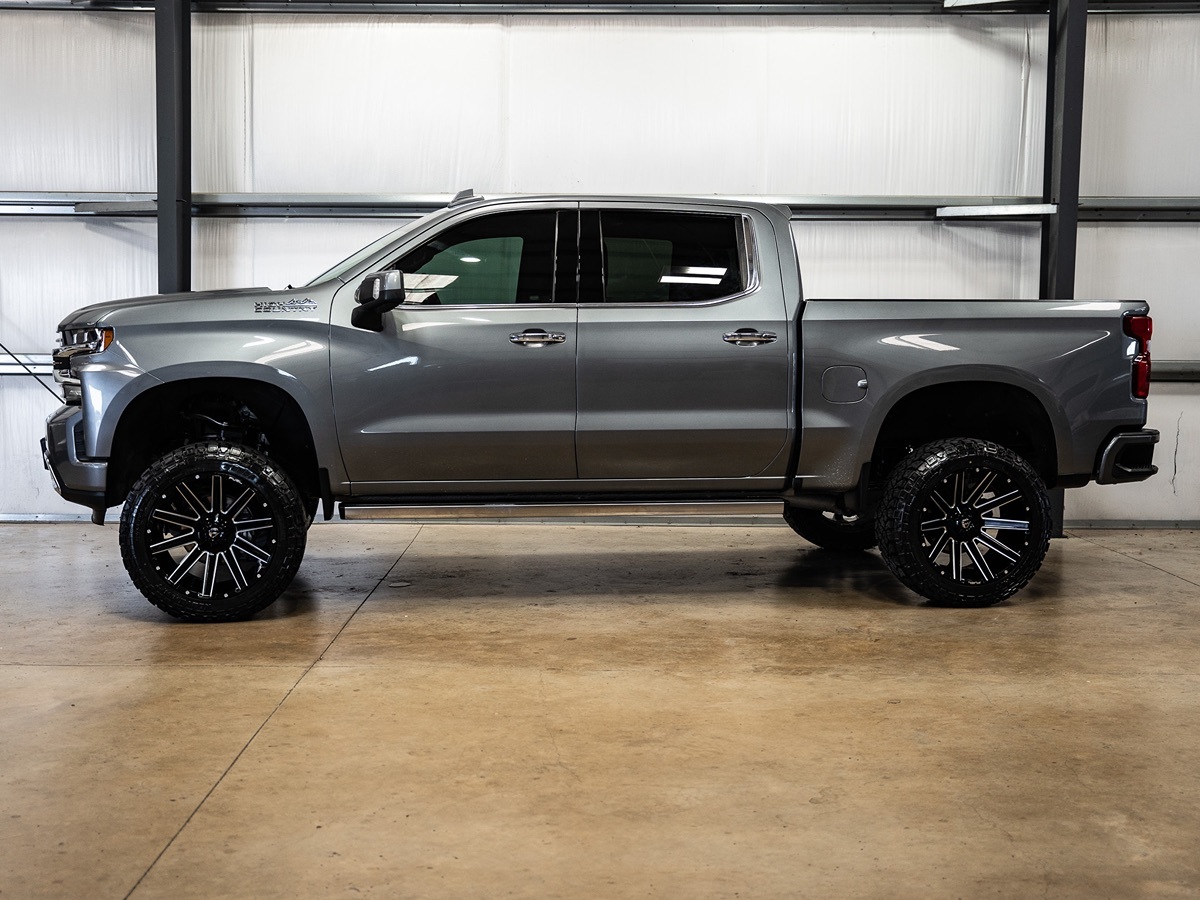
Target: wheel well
x,y
251,413
1001,413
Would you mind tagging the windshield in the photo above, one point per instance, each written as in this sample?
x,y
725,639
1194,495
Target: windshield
x,y
358,257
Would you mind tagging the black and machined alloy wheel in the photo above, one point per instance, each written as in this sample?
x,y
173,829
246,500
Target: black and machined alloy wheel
x,y
831,530
964,522
213,532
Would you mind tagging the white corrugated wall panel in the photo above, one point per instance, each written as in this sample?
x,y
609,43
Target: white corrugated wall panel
x,y
276,252
26,489
777,106
1173,495
76,101
1141,127
52,265
621,104
894,260
222,63
413,104
1158,262
1141,112
48,267
377,104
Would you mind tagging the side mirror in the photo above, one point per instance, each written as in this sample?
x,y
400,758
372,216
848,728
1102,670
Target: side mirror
x,y
379,292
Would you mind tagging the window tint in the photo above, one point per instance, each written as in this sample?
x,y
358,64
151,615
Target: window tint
x,y
655,257
505,258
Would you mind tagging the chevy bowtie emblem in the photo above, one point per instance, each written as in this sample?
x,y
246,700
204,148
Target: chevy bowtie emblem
x,y
293,305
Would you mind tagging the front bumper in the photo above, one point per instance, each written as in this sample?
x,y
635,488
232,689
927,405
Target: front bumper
x,y
1127,457
76,478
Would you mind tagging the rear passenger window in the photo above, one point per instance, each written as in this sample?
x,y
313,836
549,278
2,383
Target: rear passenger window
x,y
657,257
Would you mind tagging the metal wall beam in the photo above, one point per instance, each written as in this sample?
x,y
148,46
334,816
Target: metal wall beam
x,y
173,94
979,210
699,7
1064,135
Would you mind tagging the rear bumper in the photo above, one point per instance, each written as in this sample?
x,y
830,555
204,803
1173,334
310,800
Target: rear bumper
x,y
1127,457
76,478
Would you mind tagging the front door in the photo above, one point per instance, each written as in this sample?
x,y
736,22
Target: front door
x,y
473,377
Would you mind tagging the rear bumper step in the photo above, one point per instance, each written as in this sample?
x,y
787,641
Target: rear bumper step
x,y
1128,457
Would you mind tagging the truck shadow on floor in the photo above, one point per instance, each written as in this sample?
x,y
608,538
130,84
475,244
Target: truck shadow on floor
x,y
802,576
835,573
867,574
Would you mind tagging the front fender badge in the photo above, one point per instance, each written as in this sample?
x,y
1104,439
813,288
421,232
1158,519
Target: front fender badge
x,y
293,305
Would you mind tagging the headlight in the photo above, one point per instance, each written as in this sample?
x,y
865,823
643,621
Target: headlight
x,y
85,339
77,341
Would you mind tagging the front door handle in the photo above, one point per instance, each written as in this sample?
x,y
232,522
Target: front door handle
x,y
749,337
537,337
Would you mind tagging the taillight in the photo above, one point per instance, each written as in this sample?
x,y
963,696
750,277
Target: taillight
x,y
1140,328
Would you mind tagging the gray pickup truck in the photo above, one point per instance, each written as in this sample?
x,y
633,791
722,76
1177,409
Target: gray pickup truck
x,y
586,355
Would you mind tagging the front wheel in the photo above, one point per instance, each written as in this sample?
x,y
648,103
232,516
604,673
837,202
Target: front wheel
x,y
213,532
964,522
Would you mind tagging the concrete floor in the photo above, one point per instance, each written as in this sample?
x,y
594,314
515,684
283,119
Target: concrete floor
x,y
590,711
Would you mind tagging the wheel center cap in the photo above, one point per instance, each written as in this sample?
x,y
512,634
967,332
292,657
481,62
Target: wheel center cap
x,y
218,534
963,524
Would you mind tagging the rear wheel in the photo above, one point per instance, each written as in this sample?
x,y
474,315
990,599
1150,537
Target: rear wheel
x,y
213,532
831,530
964,522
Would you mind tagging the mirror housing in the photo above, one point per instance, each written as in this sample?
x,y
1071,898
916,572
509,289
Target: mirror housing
x,y
378,293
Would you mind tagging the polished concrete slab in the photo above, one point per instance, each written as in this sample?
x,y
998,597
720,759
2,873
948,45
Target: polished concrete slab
x,y
592,711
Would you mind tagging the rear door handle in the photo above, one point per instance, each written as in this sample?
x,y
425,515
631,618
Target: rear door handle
x,y
749,337
537,337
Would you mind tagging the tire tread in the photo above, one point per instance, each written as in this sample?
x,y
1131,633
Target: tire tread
x,y
182,460
905,558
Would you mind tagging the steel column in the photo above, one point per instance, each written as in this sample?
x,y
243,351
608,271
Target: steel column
x,y
173,91
1067,46
1064,134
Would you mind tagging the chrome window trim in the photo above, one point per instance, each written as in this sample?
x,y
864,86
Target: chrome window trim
x,y
747,246
413,307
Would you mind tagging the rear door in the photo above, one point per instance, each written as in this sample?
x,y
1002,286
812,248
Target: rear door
x,y
473,377
684,365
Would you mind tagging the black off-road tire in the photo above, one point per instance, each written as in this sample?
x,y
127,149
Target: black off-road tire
x,y
964,522
830,530
213,532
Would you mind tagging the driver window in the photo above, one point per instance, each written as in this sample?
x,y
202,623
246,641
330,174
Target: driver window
x,y
504,258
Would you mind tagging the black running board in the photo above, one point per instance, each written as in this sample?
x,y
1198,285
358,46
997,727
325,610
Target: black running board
x,y
708,509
